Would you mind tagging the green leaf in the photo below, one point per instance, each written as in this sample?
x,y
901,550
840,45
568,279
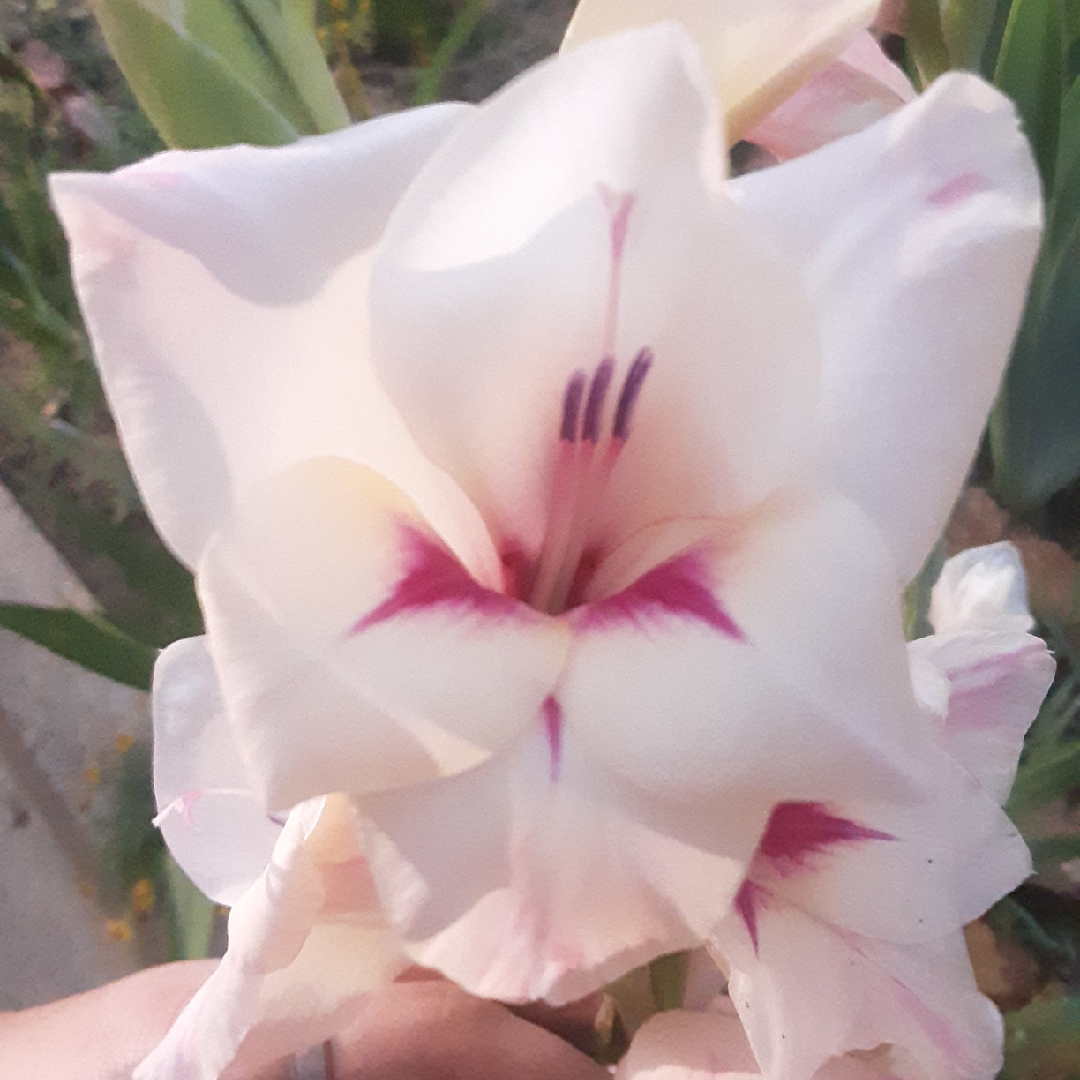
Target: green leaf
x,y
1043,1041
1056,712
429,85
134,848
194,96
1053,776
925,38
1034,433
190,916
994,38
1029,70
966,26
1011,921
240,33
406,30
93,519
917,594
297,49
1064,198
1052,851
88,640
667,977
1070,40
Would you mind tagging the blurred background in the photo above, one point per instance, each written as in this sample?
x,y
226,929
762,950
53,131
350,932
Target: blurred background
x,y
88,593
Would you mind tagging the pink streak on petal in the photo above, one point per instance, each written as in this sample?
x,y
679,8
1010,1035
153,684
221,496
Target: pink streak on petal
x,y
748,899
434,578
798,831
978,678
938,1029
619,205
957,190
183,804
553,720
676,587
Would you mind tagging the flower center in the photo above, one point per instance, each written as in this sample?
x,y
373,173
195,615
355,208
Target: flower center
x,y
587,454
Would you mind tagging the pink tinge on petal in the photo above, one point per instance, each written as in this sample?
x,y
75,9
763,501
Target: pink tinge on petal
x,y
183,804
619,206
434,578
798,831
936,1027
957,190
348,886
553,721
676,588
977,678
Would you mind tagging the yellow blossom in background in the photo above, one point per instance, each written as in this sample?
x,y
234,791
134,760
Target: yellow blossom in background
x,y
118,929
142,897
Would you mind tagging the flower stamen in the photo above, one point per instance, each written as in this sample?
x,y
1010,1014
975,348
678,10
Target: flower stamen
x,y
587,457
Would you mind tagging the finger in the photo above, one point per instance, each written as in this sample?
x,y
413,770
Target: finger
x,y
103,1033
435,1031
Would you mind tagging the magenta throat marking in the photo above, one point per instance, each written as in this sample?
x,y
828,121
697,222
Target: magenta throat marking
x,y
676,588
433,578
748,901
797,831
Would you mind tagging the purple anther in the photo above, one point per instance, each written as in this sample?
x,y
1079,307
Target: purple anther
x,y
631,390
598,389
571,407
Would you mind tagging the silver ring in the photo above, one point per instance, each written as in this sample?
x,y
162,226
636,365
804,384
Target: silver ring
x,y
316,1063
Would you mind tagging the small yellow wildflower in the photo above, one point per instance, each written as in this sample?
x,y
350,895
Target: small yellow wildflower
x,y
118,929
142,896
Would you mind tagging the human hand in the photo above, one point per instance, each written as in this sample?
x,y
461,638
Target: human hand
x,y
425,1029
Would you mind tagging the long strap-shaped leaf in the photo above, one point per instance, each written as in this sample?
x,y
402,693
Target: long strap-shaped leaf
x,y
88,640
218,72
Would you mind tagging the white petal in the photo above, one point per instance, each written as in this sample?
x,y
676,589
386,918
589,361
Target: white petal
x,y
808,992
847,96
918,285
300,958
225,294
757,52
995,684
211,817
981,589
492,288
537,875
682,1045
907,870
356,653
765,660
